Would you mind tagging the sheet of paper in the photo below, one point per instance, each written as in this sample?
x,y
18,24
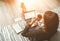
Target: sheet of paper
x,y
17,28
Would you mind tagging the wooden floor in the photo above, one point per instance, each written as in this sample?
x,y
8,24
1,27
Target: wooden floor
x,y
8,12
7,16
8,33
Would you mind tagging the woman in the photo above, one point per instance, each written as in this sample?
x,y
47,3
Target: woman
x,y
50,21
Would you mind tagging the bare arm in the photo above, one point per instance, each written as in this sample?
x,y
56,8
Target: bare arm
x,y
26,31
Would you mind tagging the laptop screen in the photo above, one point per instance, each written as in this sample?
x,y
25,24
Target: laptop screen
x,y
30,15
